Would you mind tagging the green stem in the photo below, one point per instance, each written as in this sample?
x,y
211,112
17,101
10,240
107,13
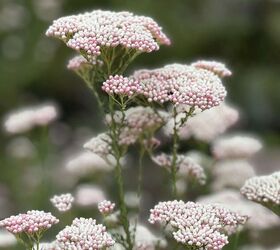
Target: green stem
x,y
140,170
117,150
175,146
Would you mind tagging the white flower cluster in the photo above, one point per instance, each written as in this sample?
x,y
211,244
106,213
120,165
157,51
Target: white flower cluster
x,y
92,31
62,202
182,84
216,67
195,224
237,146
106,207
25,119
206,125
263,189
231,173
84,234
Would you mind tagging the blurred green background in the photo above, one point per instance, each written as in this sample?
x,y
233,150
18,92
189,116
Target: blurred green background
x,y
245,34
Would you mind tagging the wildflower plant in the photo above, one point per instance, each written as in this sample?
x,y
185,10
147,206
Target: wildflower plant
x,y
184,101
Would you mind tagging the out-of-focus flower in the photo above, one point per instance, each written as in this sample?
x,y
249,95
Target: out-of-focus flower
x,y
47,10
99,145
7,239
89,195
216,67
264,190
132,199
259,219
25,119
139,124
21,148
92,32
231,173
32,222
187,168
182,84
48,246
205,231
207,125
238,146
84,234
146,240
106,207
80,65
120,85
62,202
87,163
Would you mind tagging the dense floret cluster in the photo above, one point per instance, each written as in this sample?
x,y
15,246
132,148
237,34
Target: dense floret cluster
x,y
84,234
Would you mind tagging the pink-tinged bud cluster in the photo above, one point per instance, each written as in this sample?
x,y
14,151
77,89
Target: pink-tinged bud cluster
x,y
238,146
231,174
48,246
206,125
106,207
216,67
32,222
62,202
25,119
99,145
92,31
187,168
196,225
182,84
84,234
263,189
120,85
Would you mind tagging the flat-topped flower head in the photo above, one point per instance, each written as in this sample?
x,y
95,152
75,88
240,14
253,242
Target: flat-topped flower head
x,y
237,146
264,190
217,68
84,234
106,207
32,222
91,32
231,174
120,85
182,84
62,202
25,119
206,126
196,225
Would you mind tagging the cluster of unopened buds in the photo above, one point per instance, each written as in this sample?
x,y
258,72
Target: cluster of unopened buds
x,y
62,202
106,207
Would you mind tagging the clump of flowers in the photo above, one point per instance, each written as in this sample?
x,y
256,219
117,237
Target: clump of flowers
x,y
235,147
25,119
106,207
120,85
84,234
89,195
196,225
32,224
264,190
182,84
216,67
92,32
62,202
